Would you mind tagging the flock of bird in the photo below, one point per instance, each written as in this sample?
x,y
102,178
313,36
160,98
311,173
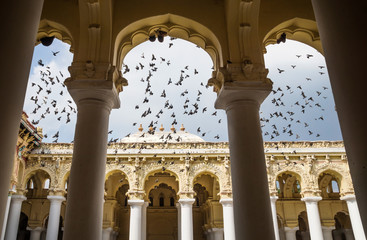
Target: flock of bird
x,y
284,117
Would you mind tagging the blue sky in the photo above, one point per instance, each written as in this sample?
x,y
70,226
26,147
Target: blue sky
x,y
318,122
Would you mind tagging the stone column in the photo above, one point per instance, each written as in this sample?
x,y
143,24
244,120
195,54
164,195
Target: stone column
x,y
290,233
345,79
36,233
22,21
217,233
273,200
135,219
84,208
6,216
107,233
313,216
178,206
14,215
327,232
247,158
187,231
144,221
228,219
54,216
355,217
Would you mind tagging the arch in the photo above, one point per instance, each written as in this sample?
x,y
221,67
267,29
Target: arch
x,y
220,175
299,29
215,178
289,181
48,28
113,171
115,179
33,172
175,26
338,176
325,181
149,185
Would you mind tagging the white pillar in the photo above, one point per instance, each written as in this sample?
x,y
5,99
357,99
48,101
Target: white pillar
x,y
135,219
84,207
54,217
17,46
290,233
178,206
248,169
36,233
107,233
217,233
144,221
327,232
5,217
355,217
273,200
313,216
187,231
14,215
228,219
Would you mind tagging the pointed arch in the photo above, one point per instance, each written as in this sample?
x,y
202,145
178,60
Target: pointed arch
x,y
175,26
299,29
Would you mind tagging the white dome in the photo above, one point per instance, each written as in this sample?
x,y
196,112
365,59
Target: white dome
x,y
159,136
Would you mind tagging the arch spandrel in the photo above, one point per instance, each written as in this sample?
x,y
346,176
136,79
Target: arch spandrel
x,y
298,29
175,26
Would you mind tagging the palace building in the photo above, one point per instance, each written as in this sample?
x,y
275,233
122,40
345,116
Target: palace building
x,y
310,179
170,184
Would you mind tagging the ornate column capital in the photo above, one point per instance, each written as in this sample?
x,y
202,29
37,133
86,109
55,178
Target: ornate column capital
x,y
240,82
186,194
136,194
56,192
100,81
226,194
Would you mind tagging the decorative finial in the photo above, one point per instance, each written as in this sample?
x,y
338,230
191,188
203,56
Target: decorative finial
x,y
173,128
182,127
140,128
161,128
151,129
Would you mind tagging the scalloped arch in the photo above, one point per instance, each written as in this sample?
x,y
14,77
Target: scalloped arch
x,y
176,26
299,29
151,173
49,28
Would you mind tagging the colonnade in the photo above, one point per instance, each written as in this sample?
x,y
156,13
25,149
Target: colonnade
x,y
138,220
95,98
53,219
